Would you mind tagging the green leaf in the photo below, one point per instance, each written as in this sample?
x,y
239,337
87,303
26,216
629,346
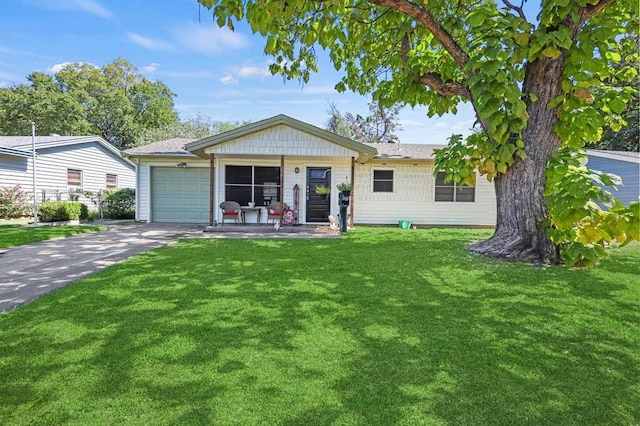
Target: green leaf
x,y
552,52
617,105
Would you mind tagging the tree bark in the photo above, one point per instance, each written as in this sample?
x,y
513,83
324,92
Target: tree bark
x,y
520,192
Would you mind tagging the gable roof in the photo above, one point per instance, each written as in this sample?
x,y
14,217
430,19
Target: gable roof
x,y
24,143
169,147
198,146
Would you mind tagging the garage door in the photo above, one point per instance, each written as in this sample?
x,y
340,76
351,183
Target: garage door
x,y
179,195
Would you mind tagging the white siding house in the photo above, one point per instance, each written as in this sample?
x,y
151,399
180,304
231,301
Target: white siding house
x,y
284,159
63,164
624,164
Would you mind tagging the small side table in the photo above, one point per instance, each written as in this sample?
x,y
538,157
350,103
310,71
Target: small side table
x,y
245,209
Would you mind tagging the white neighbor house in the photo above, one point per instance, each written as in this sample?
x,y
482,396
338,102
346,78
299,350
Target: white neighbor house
x,y
63,164
624,164
181,180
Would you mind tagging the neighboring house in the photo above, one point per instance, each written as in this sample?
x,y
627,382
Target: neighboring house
x,y
621,163
183,180
64,164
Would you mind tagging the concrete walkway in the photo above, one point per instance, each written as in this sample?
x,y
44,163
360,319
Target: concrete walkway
x,y
30,271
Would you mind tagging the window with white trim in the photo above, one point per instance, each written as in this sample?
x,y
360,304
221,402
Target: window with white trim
x,y
74,178
383,180
112,181
452,192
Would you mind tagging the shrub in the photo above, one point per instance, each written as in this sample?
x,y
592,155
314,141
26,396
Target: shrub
x,y
84,211
120,203
14,202
58,211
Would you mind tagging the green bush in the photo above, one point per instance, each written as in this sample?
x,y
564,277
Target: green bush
x,y
14,203
59,211
84,212
120,204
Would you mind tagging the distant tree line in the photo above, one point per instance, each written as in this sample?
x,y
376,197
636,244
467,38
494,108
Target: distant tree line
x,y
115,102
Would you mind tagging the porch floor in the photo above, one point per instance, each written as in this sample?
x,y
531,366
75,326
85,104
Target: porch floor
x,y
229,230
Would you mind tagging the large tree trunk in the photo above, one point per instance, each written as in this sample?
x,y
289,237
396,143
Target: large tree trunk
x,y
519,192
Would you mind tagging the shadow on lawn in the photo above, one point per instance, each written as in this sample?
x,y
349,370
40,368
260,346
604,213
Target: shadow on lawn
x,y
293,332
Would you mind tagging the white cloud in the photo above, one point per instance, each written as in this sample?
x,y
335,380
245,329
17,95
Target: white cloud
x,y
89,6
228,79
151,68
209,40
412,124
149,43
246,72
55,68
463,127
441,125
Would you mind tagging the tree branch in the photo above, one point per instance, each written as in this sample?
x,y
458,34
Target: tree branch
x,y
516,8
425,18
593,9
442,88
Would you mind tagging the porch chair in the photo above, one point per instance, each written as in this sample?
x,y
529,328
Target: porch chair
x,y
230,209
274,210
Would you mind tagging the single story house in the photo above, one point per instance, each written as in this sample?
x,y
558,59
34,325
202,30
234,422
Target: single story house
x,y
283,159
622,163
64,164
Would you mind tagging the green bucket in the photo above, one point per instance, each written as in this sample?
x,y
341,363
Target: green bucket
x,y
404,224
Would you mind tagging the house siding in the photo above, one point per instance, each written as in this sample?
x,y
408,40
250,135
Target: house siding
x,y
413,198
94,160
281,140
629,172
16,171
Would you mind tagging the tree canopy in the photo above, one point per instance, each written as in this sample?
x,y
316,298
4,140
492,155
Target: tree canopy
x,y
197,127
377,127
532,82
115,102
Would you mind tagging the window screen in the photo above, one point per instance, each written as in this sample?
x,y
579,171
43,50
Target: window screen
x,y
383,181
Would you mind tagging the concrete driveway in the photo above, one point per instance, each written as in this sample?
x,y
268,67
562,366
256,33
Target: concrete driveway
x,y
30,271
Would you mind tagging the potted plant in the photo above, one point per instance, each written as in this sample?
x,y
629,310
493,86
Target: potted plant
x,y
323,191
345,188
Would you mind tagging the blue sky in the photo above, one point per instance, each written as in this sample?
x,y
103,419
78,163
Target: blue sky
x,y
213,71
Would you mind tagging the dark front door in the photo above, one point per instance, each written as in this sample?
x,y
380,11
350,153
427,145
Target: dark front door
x,y
317,205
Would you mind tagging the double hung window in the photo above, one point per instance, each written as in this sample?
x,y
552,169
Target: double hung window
x,y
451,191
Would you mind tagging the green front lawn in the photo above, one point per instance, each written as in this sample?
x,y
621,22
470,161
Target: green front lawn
x,y
384,326
15,235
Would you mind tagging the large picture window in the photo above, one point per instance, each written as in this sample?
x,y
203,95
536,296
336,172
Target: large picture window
x,y
450,191
252,183
383,181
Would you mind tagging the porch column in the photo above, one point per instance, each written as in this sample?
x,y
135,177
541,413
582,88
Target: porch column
x,y
212,174
353,187
282,188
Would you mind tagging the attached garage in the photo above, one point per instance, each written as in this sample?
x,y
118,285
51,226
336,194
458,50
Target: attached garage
x,y
180,195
